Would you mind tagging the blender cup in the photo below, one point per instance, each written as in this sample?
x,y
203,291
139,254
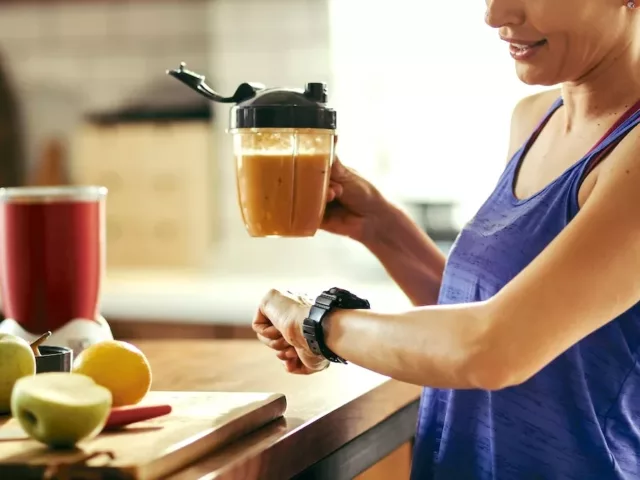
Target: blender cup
x,y
282,179
283,144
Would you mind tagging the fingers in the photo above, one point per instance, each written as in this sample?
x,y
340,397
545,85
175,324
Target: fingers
x,y
337,188
277,344
297,367
290,360
338,170
287,353
268,310
260,322
264,329
278,325
335,191
267,333
334,219
286,313
294,365
338,175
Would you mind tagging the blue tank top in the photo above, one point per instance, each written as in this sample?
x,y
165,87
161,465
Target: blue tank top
x,y
578,418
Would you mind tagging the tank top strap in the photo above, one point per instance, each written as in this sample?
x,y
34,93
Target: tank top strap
x,y
611,139
536,132
625,124
558,102
515,159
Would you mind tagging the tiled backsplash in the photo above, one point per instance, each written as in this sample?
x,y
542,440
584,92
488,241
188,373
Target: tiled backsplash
x,y
103,52
68,58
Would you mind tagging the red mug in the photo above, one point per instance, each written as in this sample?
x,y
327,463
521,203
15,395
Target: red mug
x,y
52,254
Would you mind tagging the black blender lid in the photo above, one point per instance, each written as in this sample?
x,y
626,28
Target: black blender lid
x,y
260,107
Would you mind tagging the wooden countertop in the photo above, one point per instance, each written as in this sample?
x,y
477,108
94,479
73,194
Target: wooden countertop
x,y
338,422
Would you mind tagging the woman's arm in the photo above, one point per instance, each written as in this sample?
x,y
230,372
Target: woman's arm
x,y
585,278
408,255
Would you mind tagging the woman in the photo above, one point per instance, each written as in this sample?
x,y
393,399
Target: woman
x,y
527,338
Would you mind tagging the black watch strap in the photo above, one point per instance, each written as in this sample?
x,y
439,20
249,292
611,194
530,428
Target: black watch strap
x,y
325,303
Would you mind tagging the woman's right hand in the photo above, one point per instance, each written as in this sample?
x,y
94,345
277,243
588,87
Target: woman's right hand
x,y
354,205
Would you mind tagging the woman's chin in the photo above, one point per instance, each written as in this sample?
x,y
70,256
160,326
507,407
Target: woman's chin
x,y
534,75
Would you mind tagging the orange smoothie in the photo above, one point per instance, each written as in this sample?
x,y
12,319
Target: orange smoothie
x,y
282,195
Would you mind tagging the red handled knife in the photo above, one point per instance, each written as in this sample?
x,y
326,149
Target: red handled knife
x,y
121,416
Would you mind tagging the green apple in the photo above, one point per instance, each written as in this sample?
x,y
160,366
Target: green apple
x,y
60,409
16,361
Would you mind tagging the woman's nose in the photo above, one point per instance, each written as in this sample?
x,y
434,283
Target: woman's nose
x,y
502,13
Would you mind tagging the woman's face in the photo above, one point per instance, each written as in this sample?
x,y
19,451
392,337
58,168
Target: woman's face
x,y
555,41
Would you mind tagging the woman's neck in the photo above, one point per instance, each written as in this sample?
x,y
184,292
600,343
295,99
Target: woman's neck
x,y
610,88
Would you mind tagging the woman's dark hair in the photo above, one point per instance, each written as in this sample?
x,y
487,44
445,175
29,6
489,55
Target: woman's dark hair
x,y
12,161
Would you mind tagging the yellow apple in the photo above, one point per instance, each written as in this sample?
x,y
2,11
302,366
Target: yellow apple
x,y
16,361
60,409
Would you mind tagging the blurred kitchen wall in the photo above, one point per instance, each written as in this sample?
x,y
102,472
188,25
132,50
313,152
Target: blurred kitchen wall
x,y
76,61
406,93
68,58
11,132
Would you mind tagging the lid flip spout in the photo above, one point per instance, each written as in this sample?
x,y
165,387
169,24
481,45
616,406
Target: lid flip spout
x,y
245,91
256,106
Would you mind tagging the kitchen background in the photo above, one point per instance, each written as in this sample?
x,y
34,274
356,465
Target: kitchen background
x,y
424,92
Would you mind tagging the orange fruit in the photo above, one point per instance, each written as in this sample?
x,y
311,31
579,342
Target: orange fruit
x,y
118,366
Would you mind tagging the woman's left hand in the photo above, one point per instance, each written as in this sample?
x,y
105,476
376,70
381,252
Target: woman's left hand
x,y
278,324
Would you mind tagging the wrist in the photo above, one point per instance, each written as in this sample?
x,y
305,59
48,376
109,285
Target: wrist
x,y
378,226
331,320
328,306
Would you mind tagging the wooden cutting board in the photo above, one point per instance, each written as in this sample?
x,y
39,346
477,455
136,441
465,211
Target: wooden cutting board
x,y
199,423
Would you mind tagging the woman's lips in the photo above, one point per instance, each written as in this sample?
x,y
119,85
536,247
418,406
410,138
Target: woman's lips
x,y
521,50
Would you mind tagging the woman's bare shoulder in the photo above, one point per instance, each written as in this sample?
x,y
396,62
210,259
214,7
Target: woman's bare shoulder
x,y
527,113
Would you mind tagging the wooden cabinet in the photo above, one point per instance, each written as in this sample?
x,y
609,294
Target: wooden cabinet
x,y
396,466
159,207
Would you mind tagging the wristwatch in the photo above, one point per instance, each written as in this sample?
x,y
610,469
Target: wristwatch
x,y
324,304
